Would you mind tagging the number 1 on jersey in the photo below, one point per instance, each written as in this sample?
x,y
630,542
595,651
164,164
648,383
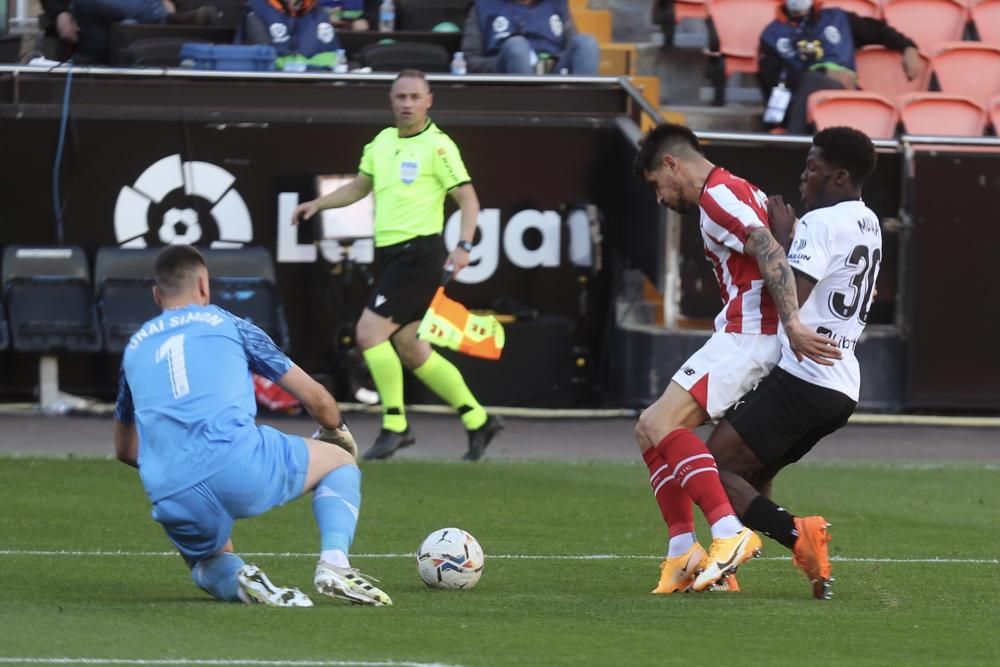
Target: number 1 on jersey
x,y
173,351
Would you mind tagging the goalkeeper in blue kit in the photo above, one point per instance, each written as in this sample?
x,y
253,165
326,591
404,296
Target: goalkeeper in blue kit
x,y
185,418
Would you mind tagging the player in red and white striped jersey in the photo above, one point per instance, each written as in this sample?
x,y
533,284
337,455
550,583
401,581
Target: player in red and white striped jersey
x,y
743,349
731,208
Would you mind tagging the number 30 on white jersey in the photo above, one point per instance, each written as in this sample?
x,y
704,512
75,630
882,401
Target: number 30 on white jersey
x,y
840,247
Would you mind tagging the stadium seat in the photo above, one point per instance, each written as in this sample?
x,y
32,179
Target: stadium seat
x,y
880,70
868,8
397,56
941,114
426,14
123,281
739,24
243,282
927,22
50,306
50,309
994,114
968,68
986,18
869,112
596,22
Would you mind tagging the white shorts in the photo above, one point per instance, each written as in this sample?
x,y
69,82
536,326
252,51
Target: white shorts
x,y
727,367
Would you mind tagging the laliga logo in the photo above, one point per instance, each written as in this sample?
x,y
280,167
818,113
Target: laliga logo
x,y
184,199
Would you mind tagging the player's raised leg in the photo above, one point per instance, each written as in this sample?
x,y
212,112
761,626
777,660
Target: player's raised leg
x,y
444,379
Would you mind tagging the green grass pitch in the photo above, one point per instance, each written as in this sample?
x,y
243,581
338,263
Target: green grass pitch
x,y
917,576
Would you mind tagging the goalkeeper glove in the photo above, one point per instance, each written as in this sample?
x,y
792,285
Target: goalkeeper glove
x,y
340,436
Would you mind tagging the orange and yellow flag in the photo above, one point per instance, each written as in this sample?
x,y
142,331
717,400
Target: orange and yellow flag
x,y
450,324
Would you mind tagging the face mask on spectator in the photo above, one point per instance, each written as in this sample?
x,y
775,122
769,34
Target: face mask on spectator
x,y
798,6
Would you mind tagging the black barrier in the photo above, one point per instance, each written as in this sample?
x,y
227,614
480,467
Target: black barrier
x,y
237,152
222,161
956,233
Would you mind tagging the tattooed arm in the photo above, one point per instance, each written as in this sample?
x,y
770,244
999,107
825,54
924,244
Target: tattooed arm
x,y
780,281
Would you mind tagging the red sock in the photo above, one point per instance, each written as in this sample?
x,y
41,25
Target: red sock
x,y
695,472
675,505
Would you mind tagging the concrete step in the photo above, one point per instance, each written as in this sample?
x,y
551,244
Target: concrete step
x,y
732,118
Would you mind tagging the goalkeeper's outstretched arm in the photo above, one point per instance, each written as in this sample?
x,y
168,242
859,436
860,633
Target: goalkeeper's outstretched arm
x,y
322,407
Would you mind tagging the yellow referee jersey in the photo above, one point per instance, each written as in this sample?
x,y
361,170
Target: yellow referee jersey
x,y
411,177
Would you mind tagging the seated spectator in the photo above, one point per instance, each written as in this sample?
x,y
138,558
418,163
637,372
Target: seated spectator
x,y
299,30
526,36
809,47
84,26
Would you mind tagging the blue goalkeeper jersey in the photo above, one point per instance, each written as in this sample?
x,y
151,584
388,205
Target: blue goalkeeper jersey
x,y
186,384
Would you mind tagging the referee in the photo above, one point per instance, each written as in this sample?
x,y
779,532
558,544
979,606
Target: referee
x,y
411,167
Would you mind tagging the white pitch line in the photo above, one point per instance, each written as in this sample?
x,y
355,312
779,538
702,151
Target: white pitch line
x,y
13,660
557,557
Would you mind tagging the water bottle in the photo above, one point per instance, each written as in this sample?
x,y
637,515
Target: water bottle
x,y
777,104
340,63
386,16
458,66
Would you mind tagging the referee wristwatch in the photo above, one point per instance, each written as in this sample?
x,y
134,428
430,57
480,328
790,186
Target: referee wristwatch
x,y
465,245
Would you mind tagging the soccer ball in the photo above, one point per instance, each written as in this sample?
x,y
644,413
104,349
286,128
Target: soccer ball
x,y
450,558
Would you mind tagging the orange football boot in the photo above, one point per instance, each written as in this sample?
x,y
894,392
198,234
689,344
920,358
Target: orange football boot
x,y
677,574
811,554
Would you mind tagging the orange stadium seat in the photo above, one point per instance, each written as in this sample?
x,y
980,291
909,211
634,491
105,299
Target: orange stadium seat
x,y
994,113
869,112
739,24
968,68
927,22
868,8
880,70
941,114
986,16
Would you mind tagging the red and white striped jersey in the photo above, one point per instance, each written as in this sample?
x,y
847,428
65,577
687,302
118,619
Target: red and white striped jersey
x,y
731,208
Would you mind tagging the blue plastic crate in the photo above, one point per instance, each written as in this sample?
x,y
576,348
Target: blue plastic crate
x,y
229,57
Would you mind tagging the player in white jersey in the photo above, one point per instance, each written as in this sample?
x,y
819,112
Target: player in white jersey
x,y
185,418
747,259
835,254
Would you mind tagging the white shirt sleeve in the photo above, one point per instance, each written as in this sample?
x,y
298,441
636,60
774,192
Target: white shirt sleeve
x,y
809,252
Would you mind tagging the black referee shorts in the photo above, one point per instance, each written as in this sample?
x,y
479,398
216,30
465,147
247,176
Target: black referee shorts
x,y
407,275
783,417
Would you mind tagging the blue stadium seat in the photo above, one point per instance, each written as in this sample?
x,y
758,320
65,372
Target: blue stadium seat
x,y
123,281
50,306
243,282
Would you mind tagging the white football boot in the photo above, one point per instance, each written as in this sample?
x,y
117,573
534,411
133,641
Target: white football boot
x,y
255,587
347,583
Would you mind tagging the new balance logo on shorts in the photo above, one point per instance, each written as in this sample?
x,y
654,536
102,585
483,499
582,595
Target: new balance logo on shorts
x,y
379,300
688,370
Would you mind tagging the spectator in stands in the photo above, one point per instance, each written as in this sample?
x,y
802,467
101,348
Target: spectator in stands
x,y
84,26
809,47
526,36
299,30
